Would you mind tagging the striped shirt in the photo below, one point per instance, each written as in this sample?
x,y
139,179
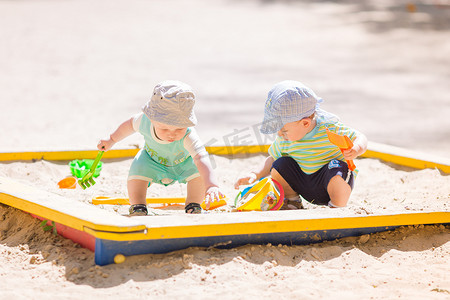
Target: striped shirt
x,y
314,150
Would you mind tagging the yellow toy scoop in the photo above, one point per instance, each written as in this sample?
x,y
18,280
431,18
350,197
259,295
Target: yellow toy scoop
x,y
125,201
215,204
344,143
167,202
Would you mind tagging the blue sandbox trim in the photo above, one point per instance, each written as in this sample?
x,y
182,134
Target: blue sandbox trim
x,y
106,250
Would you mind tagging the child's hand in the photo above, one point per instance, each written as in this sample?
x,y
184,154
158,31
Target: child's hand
x,y
213,194
246,180
352,153
105,144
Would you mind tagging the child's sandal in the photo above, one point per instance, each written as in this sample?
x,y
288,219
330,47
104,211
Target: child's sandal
x,y
292,204
193,208
138,210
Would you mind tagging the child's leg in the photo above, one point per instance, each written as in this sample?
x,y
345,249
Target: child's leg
x,y
195,191
291,197
142,170
288,191
339,191
137,191
195,195
326,186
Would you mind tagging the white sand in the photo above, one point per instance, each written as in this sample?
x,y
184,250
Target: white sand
x,y
71,71
410,263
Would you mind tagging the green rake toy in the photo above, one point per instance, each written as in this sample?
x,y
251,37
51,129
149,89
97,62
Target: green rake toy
x,y
88,180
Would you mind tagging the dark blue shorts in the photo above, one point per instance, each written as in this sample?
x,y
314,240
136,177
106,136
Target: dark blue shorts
x,y
312,187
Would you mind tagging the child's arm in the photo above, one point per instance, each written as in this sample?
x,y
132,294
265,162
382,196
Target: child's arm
x,y
125,129
359,147
203,165
263,171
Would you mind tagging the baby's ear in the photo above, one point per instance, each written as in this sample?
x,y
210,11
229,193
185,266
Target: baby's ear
x,y
306,122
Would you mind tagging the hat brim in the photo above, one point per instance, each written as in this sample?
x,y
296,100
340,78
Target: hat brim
x,y
172,119
271,125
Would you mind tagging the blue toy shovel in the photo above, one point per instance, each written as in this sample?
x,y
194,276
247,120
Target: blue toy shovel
x,y
88,180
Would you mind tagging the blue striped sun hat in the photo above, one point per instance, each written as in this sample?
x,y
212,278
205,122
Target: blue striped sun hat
x,y
288,101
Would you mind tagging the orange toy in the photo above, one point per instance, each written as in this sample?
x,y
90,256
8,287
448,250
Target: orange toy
x,y
344,143
215,204
68,183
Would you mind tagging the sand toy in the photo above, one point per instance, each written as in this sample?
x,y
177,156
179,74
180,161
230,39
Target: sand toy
x,y
215,204
344,143
68,183
266,194
166,202
80,169
125,201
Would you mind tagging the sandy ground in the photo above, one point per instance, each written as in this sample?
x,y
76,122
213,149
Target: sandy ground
x,y
70,71
408,263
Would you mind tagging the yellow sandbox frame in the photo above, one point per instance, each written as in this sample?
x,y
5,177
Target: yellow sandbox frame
x,y
392,154
114,234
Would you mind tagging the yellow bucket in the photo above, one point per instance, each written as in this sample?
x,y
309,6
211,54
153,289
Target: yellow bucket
x,y
266,194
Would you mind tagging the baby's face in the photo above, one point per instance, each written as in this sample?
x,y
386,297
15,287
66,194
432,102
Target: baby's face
x,y
169,133
296,130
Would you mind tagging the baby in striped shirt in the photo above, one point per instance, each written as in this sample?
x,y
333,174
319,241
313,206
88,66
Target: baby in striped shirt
x,y
302,159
